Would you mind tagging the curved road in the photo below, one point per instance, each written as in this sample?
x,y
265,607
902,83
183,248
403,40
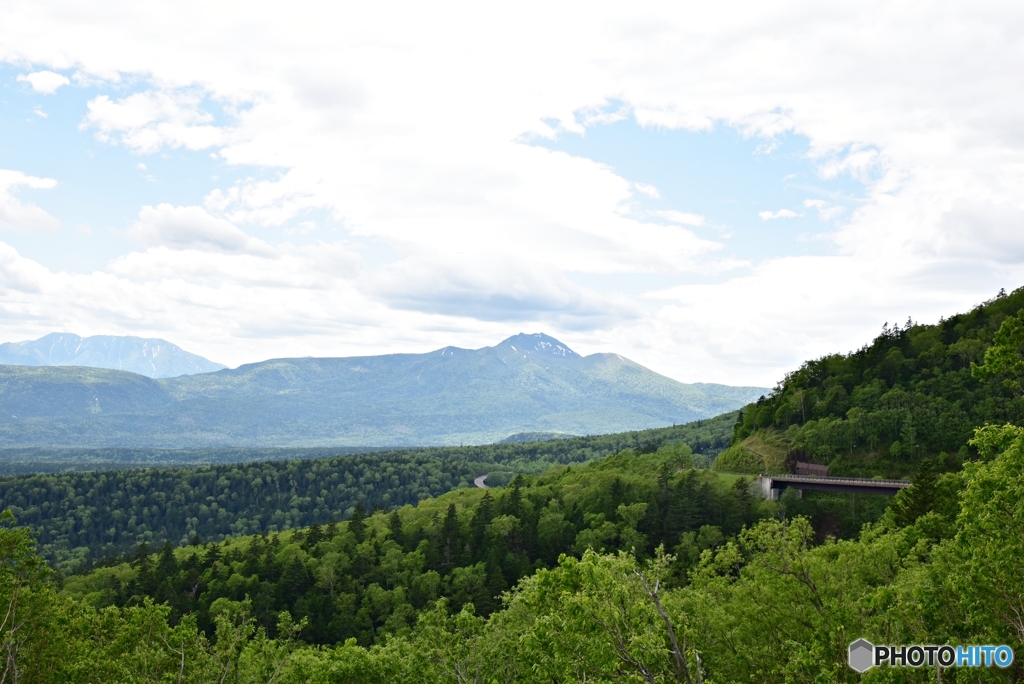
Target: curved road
x,y
479,482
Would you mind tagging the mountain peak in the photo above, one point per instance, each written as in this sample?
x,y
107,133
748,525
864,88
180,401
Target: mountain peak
x,y
539,343
152,357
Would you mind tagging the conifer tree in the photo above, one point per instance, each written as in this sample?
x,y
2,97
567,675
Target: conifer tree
x,y
513,501
478,527
314,537
449,544
357,524
395,526
919,498
167,564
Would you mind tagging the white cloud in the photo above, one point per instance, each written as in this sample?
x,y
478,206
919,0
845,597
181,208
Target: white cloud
x,y
304,228
781,213
983,230
18,216
145,122
826,211
680,217
46,82
227,306
648,190
859,161
494,289
403,127
121,301
775,326
193,228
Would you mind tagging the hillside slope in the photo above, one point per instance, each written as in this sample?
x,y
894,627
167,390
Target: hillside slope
x,y
528,383
910,394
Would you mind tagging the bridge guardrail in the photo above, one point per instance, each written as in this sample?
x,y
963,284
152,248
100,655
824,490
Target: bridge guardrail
x,y
837,480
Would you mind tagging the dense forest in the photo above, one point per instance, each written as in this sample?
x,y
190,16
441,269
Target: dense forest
x,y
908,395
769,604
370,576
80,517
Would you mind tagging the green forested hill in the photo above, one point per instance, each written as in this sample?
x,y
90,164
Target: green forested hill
x,y
78,516
908,395
34,395
528,383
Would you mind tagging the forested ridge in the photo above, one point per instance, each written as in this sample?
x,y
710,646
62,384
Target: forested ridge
x,y
910,394
30,460
79,517
529,382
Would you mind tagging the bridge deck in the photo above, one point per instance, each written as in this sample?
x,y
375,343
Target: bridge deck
x,y
772,485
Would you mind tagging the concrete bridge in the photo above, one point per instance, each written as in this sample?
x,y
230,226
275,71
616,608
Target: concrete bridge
x,y
772,485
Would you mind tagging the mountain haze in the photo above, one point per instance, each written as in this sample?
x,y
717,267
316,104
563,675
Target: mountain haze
x,y
153,358
528,383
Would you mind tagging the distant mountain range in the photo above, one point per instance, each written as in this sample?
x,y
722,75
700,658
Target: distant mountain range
x,y
528,383
150,357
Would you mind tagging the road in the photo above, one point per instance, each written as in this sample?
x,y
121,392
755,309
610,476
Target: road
x,y
479,482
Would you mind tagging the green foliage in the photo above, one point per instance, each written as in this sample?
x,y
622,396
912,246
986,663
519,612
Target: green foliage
x,y
80,517
765,603
908,395
739,459
372,575
598,618
988,546
919,498
1005,358
758,454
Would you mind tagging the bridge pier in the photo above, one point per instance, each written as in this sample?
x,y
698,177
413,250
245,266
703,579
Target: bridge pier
x,y
770,490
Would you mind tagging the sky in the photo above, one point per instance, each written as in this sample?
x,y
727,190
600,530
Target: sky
x,y
718,191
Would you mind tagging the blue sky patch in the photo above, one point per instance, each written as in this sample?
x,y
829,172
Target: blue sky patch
x,y
762,197
100,185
